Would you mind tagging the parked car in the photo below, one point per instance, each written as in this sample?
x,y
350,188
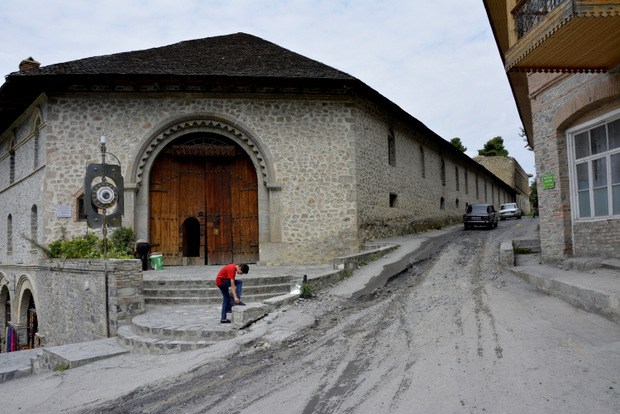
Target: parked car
x,y
509,210
480,215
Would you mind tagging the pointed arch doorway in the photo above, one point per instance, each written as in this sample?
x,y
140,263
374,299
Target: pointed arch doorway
x,y
203,201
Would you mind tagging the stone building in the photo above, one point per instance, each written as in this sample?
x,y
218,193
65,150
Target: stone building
x,y
562,59
509,171
232,149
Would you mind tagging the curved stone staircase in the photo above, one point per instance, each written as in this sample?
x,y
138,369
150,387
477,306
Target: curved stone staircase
x,y
183,314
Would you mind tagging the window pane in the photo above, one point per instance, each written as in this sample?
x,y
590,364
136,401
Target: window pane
x,y
599,172
615,169
582,145
582,176
584,204
601,203
598,139
616,200
613,129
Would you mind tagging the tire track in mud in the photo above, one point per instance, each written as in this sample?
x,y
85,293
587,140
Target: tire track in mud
x,y
358,352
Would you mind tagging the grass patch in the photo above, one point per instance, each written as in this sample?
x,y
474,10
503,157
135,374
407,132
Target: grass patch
x,y
523,250
307,291
61,367
345,275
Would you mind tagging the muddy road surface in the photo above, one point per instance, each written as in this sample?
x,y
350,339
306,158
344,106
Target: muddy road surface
x,y
453,334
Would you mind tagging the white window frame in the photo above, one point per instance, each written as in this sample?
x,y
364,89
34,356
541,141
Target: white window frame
x,y
572,170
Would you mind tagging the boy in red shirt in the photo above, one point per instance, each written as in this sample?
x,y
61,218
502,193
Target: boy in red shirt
x,y
225,279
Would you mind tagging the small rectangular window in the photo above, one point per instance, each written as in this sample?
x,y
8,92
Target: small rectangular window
x,y
582,145
80,210
391,150
393,200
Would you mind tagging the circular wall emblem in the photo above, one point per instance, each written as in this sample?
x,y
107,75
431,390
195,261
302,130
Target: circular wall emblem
x,y
104,195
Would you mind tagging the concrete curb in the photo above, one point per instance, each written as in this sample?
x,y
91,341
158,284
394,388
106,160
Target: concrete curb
x,y
586,298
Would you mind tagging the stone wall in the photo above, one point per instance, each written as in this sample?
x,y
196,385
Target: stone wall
x,y
327,157
560,102
70,297
412,194
509,171
18,199
311,143
588,237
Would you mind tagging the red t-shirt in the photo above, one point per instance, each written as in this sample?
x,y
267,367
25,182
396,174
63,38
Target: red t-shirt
x,y
227,272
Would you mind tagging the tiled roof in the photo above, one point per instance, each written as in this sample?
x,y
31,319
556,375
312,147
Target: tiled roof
x,y
236,55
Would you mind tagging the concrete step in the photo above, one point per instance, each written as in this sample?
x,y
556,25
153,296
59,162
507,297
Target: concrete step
x,y
152,345
172,329
203,300
213,292
190,283
192,291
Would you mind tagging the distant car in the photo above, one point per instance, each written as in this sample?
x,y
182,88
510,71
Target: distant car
x,y
509,210
480,215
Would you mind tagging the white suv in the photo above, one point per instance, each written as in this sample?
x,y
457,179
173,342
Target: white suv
x,y
509,210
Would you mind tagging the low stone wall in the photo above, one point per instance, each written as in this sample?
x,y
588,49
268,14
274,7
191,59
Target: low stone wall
x,y
70,297
353,261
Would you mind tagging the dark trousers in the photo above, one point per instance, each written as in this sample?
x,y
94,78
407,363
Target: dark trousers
x,y
143,253
227,300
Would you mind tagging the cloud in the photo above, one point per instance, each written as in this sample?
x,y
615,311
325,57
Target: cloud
x,y
436,60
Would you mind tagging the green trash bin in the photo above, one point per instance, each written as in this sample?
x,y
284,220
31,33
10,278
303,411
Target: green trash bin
x,y
157,261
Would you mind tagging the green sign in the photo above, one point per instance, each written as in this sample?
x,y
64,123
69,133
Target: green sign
x,y
548,181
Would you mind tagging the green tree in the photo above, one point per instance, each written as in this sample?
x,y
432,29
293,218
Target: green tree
x,y
534,194
457,143
527,144
494,148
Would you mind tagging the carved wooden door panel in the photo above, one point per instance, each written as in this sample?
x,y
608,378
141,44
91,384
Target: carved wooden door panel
x,y
244,208
218,216
220,192
164,209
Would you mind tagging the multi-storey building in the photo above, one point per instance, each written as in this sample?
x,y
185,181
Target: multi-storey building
x,y
562,59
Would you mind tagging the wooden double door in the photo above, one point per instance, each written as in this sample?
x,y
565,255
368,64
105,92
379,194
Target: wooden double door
x,y
204,206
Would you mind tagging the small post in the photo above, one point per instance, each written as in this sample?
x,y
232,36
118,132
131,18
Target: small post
x,y
105,242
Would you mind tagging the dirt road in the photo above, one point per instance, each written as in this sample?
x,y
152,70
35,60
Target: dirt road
x,y
455,334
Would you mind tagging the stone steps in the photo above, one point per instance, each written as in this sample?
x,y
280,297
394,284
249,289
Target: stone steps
x,y
201,292
202,300
214,293
158,346
172,329
189,283
183,312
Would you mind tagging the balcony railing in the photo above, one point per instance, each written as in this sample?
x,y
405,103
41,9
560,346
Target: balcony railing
x,y
528,13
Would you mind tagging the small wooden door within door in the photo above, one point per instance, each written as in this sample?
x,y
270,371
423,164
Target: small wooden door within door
x,y
220,192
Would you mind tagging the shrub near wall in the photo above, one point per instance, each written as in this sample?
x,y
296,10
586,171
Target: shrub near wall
x,y
71,303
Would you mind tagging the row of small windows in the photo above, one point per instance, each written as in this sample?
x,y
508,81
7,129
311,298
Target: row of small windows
x,y
442,202
33,229
394,197
392,162
36,127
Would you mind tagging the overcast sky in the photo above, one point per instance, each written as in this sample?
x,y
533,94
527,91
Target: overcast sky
x,y
436,59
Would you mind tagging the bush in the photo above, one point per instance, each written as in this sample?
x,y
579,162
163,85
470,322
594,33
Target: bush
x,y
307,291
89,246
121,243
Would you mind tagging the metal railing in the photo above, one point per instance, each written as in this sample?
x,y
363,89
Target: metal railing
x,y
528,13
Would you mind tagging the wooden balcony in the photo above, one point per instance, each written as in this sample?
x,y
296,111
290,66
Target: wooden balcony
x,y
562,35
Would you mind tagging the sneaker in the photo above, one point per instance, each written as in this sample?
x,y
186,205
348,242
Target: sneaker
x,y
224,321
241,303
